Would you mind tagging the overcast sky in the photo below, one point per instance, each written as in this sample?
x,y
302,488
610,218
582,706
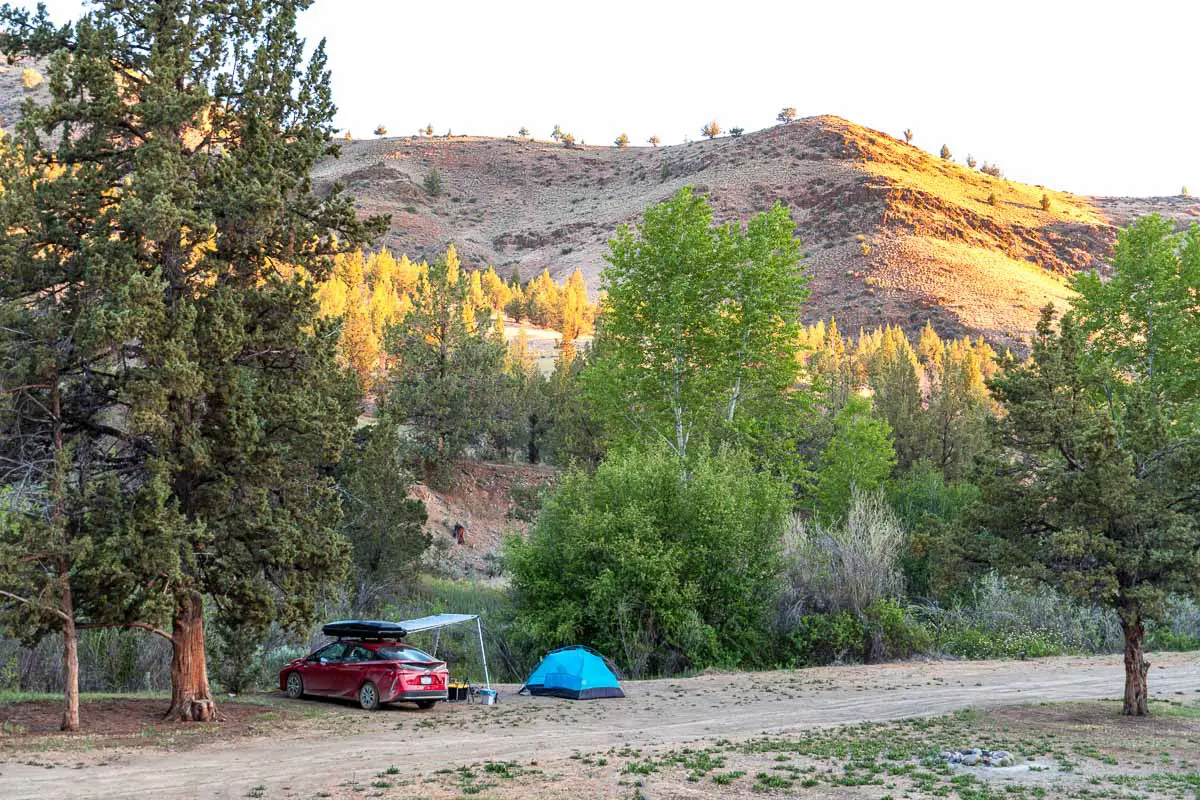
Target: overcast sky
x,y
1090,96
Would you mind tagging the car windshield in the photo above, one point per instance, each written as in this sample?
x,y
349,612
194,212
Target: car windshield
x,y
404,654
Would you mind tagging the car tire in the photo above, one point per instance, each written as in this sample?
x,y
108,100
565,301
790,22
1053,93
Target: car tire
x,y
295,686
425,704
368,696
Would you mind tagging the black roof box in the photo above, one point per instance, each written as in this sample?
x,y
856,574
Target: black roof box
x,y
364,629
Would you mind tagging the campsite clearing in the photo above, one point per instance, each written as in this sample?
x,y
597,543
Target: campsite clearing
x,y
720,734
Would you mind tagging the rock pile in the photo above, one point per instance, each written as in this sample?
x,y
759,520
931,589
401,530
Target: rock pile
x,y
974,757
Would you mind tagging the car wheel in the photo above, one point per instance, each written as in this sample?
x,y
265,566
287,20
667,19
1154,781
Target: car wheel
x,y
368,696
295,686
426,704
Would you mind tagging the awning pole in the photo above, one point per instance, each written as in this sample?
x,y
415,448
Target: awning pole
x,y
483,653
437,639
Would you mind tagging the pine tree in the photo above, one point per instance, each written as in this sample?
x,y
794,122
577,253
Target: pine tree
x,y
448,377
175,213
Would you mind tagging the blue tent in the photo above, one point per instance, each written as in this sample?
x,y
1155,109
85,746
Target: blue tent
x,y
576,673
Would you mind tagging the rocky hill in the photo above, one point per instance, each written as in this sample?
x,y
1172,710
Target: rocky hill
x,y
892,233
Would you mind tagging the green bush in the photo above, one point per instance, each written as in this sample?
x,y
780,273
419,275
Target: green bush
x,y
661,565
828,638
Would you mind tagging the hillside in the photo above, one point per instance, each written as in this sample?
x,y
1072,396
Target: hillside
x,y
937,248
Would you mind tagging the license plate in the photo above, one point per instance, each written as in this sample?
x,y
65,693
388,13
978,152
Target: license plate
x,y
426,680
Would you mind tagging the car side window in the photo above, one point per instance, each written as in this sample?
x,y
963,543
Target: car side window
x,y
360,653
333,652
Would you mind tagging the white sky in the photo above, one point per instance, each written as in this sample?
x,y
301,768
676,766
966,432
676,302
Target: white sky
x,y
1090,96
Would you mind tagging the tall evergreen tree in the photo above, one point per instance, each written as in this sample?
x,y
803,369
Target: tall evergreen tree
x,y
164,194
448,379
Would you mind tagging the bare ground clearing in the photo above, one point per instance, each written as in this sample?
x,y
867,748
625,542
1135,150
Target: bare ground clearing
x,y
341,751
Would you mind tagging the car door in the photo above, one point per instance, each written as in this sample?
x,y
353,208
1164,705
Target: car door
x,y
320,668
349,671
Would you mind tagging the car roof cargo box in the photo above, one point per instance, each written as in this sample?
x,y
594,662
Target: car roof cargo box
x,y
365,629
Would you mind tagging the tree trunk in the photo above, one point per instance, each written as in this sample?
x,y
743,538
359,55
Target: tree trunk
x,y
70,721
191,700
1136,689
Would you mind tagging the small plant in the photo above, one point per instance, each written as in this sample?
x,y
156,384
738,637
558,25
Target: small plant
x,y
654,141
1045,202
992,169
567,139
971,161
908,135
31,78
946,154
433,182
712,130
429,129
993,200
1183,192
557,133
864,248
621,141
736,132
786,115
347,136
523,132
664,171
381,130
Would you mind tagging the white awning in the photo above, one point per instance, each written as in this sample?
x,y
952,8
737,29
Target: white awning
x,y
434,622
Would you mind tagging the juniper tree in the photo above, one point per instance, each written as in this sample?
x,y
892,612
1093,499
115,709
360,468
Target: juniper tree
x,y
163,193
786,115
1100,492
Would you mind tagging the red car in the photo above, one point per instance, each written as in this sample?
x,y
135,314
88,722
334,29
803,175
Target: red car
x,y
369,671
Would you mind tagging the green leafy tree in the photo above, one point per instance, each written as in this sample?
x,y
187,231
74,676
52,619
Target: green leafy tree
x,y
1097,494
662,574
448,378
171,210
698,331
384,525
860,456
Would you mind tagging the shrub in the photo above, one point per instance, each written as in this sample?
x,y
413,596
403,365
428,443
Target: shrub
x,y
736,132
712,130
348,136
848,567
971,161
1183,192
946,154
433,182
993,200
660,564
621,141
992,169
429,129
523,132
654,141
1045,202
31,78
786,115
568,140
381,131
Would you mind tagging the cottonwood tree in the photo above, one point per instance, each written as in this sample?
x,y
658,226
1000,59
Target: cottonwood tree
x,y
712,130
1102,499
699,327
165,191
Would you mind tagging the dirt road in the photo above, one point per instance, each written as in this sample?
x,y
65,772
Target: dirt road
x,y
655,713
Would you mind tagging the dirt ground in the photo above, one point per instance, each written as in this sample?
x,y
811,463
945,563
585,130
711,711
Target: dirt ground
x,y
839,731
